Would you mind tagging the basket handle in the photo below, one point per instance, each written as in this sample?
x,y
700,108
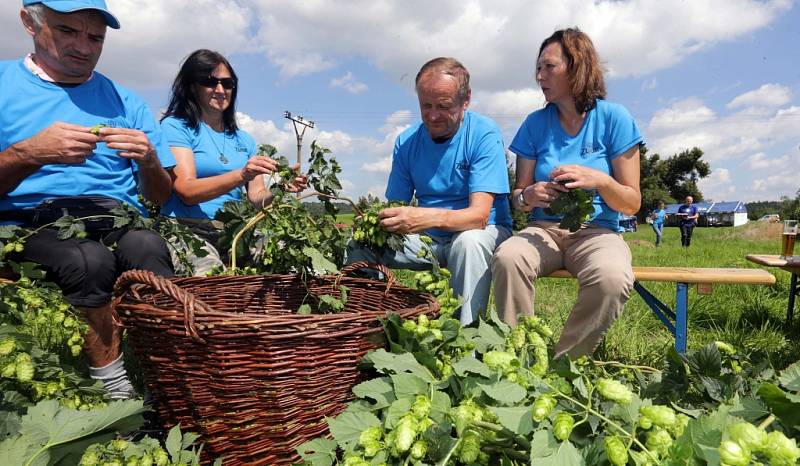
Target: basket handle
x,y
190,303
387,274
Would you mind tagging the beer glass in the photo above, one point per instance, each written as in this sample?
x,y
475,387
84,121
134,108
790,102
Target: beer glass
x,y
788,237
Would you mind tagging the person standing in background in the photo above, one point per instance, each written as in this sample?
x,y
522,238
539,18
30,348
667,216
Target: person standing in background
x,y
688,216
657,219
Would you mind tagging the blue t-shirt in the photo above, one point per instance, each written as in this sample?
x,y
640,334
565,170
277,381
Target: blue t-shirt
x,y
689,210
214,154
608,131
444,175
30,104
658,216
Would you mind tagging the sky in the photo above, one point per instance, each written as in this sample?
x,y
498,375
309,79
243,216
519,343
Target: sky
x,y
721,75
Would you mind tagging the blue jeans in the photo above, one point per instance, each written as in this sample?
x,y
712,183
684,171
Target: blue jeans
x,y
659,229
466,255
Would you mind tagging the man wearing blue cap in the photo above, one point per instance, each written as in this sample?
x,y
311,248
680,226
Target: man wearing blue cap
x,y
53,164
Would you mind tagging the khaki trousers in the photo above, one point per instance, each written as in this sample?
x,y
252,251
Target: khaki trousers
x,y
598,257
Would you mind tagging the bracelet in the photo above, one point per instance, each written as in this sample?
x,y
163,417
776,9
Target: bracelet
x,y
521,199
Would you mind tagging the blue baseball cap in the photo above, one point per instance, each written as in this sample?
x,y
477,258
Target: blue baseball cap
x,y
69,6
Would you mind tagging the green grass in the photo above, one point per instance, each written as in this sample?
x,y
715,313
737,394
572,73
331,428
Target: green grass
x,y
749,316
347,219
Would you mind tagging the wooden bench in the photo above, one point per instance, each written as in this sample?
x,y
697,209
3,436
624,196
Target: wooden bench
x,y
704,278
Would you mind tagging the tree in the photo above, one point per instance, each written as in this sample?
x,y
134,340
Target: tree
x,y
790,207
671,179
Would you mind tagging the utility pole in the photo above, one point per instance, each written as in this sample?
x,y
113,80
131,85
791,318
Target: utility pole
x,y
305,124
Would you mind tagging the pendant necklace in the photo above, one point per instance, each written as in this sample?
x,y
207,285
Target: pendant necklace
x,y
222,157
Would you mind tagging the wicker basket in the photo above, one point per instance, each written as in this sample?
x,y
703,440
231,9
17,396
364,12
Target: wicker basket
x,y
230,359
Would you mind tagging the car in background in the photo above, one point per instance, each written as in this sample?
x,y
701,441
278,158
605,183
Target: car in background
x,y
770,218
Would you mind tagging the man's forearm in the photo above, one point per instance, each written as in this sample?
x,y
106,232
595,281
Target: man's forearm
x,y
462,219
13,169
156,184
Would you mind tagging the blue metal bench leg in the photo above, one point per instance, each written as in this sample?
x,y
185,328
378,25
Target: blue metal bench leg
x,y
681,307
665,314
793,291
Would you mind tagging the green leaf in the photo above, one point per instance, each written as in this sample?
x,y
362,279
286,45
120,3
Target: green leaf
x,y
703,435
318,452
565,455
49,431
488,337
174,444
69,227
497,321
706,361
543,444
580,386
9,423
389,363
790,377
470,364
319,263
517,419
628,413
786,410
328,303
380,390
749,409
714,387
504,391
304,310
397,410
440,406
347,427
20,450
409,385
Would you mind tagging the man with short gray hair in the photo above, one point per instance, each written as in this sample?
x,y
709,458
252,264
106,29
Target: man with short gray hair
x,y
55,160
454,164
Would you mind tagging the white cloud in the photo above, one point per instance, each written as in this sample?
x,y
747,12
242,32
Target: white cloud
x,y
300,64
718,186
784,183
752,151
349,83
768,95
690,123
761,161
382,166
650,84
508,108
687,113
498,41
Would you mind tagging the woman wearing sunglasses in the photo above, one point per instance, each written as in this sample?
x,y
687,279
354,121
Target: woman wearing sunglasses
x,y
214,158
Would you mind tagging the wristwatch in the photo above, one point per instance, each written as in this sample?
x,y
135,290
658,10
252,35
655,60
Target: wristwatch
x,y
521,199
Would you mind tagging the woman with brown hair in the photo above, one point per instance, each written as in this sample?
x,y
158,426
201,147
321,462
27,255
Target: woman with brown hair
x,y
577,141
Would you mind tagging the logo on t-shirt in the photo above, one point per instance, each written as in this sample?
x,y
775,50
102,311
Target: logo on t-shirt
x,y
591,149
241,149
463,165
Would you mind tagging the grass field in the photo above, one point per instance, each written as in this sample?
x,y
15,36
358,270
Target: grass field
x,y
750,317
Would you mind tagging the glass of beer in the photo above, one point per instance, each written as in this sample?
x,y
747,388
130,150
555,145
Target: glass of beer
x,y
788,237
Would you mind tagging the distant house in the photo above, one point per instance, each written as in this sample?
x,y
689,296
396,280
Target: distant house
x,y
712,214
726,214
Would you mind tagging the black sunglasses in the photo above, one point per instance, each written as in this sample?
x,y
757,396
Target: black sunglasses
x,y
212,82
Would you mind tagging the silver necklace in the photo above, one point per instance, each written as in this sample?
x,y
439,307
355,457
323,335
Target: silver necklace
x,y
222,157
